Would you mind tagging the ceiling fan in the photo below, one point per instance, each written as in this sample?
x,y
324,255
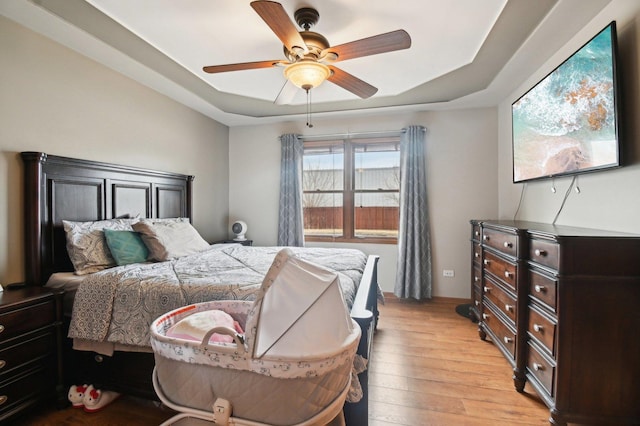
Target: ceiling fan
x,y
309,55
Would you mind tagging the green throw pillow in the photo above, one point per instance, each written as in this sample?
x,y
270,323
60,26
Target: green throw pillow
x,y
126,246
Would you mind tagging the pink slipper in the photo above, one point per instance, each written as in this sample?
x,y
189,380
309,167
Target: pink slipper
x,y
96,399
76,395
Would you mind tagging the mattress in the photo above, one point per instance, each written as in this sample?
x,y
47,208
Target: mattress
x,y
69,282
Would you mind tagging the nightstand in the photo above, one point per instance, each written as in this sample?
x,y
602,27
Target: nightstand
x,y
243,242
30,349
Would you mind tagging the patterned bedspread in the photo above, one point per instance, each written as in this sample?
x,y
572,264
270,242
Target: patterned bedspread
x,y
118,305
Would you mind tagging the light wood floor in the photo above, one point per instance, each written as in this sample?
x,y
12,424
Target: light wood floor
x,y
429,368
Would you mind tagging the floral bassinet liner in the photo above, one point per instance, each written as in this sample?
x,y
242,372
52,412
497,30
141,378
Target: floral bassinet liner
x,y
228,355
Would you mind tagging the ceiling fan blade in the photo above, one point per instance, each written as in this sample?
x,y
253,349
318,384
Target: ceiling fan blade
x,y
381,43
277,19
212,69
351,83
287,93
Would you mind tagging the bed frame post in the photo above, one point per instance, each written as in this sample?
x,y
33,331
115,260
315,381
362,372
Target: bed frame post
x,y
365,313
33,215
189,200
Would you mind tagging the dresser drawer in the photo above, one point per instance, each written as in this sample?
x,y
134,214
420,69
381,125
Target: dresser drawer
x,y
23,387
477,253
540,368
501,241
546,253
506,338
28,350
543,289
477,296
475,231
476,286
543,330
501,269
503,300
19,321
476,276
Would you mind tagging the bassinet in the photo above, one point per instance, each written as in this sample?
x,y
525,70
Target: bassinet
x,y
292,366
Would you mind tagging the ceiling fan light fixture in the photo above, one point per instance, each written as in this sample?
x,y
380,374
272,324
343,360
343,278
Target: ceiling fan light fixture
x,y
307,74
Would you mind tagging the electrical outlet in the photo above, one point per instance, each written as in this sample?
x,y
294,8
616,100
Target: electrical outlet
x,y
449,273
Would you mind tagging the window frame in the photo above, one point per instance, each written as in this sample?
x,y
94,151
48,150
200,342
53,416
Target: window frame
x,y
349,191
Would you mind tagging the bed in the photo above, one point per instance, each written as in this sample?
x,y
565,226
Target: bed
x,y
60,188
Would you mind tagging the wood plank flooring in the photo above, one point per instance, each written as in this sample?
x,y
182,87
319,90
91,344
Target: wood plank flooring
x,y
429,368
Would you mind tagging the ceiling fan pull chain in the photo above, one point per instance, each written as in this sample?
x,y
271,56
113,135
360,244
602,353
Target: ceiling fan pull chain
x,y
309,124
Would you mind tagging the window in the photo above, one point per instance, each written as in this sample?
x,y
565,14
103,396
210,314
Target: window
x,y
351,190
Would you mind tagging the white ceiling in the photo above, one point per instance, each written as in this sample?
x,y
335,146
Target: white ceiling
x,y
214,32
461,49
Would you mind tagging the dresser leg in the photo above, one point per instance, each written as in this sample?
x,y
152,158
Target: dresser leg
x,y
482,333
519,381
556,419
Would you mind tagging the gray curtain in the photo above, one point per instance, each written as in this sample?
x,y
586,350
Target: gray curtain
x,y
413,277
290,224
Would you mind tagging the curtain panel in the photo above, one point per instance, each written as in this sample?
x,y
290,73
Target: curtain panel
x,y
290,222
413,276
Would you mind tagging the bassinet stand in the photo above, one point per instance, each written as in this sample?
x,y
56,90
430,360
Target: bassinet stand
x,y
220,418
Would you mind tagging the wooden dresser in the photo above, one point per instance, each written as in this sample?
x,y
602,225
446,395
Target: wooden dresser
x,y
476,271
561,303
30,336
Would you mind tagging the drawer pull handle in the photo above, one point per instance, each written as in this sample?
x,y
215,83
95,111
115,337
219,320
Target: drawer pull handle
x,y
1,328
476,279
507,244
485,316
476,254
485,237
487,289
537,327
3,399
540,289
476,233
508,274
477,303
539,252
507,340
486,261
2,363
508,308
538,367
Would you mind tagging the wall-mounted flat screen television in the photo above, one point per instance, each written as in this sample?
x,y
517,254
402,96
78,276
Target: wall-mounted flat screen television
x,y
568,122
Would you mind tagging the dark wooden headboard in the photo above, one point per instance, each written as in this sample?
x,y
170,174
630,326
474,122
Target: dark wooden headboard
x,y
61,188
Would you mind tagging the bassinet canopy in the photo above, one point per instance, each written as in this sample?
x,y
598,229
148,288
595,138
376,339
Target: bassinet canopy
x,y
300,312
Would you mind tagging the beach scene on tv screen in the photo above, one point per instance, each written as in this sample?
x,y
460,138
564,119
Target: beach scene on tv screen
x,y
566,123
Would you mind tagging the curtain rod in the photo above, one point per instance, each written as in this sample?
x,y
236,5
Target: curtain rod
x,y
357,134
352,135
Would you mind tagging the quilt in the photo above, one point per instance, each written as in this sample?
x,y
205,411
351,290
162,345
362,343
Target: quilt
x,y
118,305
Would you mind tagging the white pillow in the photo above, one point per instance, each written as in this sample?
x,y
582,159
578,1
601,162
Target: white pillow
x,y
169,239
87,246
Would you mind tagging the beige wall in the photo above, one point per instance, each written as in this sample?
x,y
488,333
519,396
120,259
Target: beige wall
x,y
56,101
607,199
462,183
